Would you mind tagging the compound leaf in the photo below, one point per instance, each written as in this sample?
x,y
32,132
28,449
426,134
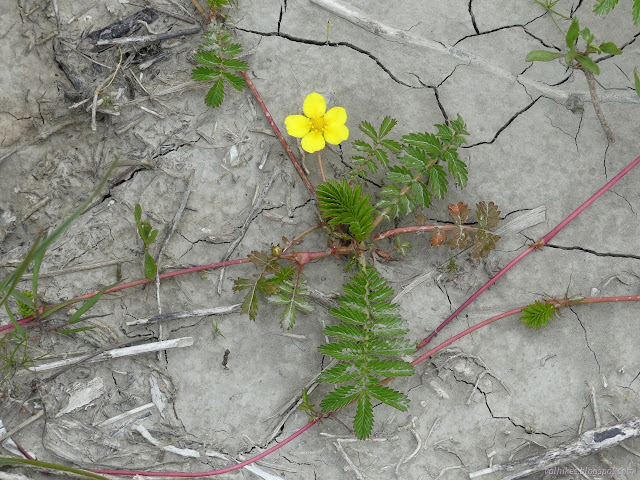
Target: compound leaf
x,y
343,204
215,96
459,213
205,74
234,80
438,180
488,215
602,7
363,421
208,58
368,130
538,315
387,124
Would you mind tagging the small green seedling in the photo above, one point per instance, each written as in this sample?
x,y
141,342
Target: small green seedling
x,y
577,58
217,63
147,235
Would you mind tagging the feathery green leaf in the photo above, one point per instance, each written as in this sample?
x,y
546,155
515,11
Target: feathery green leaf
x,y
346,205
538,315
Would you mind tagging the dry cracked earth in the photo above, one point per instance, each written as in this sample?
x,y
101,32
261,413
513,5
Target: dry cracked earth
x,y
536,149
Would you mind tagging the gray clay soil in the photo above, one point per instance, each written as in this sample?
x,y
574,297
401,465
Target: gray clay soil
x,y
503,392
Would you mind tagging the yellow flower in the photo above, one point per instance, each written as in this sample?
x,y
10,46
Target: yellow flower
x,y
316,127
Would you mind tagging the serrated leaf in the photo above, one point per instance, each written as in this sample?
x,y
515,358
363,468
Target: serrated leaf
x,y
234,80
242,284
344,331
362,146
399,174
459,238
438,237
572,33
208,58
537,315
610,48
342,350
421,194
205,74
457,168
414,158
602,7
363,421
382,157
339,374
387,125
542,56
150,268
288,318
343,204
488,215
235,64
340,397
484,243
250,302
425,141
437,180
215,96
390,368
391,145
389,396
232,49
368,130
459,213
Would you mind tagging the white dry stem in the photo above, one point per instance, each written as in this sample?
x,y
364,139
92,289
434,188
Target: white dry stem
x,y
118,352
195,313
122,416
183,452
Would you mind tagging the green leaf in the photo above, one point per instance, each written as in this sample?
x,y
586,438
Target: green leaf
x,y
152,236
363,421
588,64
250,302
484,243
636,12
235,64
421,194
340,397
339,374
637,81
205,74
587,36
391,145
603,7
537,315
362,146
381,155
73,330
18,328
437,180
610,48
542,56
425,141
210,59
234,80
387,125
342,204
573,33
399,174
391,397
414,158
390,368
137,214
88,304
150,268
216,94
344,331
232,49
457,168
342,350
368,130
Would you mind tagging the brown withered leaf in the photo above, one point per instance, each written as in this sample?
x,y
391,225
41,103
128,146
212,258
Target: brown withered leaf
x,y
438,237
484,243
459,212
459,238
488,215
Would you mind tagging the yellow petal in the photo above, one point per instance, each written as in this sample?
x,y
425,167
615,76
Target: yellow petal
x,y
312,142
336,133
314,105
336,115
297,125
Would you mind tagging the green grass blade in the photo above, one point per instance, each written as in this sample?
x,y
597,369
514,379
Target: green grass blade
x,y
88,304
16,275
4,461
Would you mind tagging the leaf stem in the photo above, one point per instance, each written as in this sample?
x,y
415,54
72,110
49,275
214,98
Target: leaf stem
x,y
419,228
324,178
591,81
276,130
543,241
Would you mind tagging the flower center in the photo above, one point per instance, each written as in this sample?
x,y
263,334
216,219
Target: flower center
x,y
318,124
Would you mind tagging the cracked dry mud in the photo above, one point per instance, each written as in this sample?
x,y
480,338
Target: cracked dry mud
x,y
535,141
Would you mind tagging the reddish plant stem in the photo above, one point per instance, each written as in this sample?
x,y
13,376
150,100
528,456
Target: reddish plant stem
x,y
540,243
418,228
301,258
276,130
